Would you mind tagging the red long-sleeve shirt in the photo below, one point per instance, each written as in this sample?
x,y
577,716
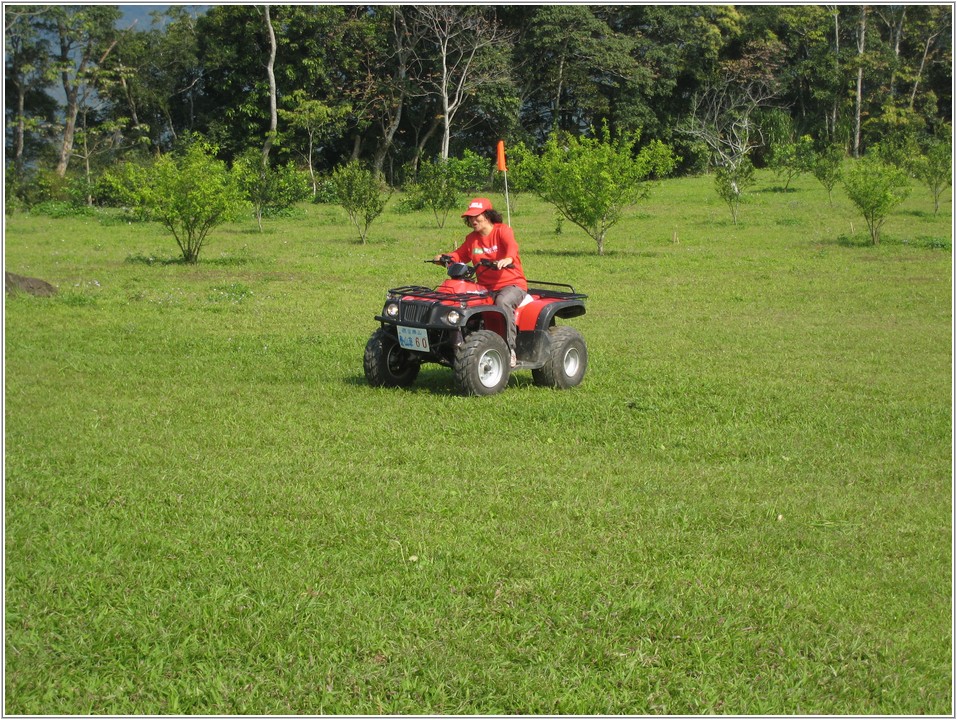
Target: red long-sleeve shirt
x,y
498,244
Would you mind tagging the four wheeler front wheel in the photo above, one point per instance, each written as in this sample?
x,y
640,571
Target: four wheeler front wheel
x,y
386,363
567,359
482,363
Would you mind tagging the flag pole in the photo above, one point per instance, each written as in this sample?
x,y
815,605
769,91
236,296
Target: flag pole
x,y
500,153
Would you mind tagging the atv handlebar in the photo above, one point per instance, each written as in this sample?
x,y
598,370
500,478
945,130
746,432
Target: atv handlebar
x,y
445,260
491,264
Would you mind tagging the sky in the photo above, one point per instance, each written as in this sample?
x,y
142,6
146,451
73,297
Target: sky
x,y
141,14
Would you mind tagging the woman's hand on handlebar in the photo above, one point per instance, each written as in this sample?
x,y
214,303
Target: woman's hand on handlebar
x,y
441,259
497,264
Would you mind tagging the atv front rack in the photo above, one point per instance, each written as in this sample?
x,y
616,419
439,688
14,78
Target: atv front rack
x,y
425,293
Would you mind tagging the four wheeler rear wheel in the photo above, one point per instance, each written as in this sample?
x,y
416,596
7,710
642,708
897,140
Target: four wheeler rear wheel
x,y
386,363
567,359
482,363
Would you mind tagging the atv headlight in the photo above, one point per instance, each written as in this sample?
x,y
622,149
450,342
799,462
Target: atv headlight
x,y
392,310
453,317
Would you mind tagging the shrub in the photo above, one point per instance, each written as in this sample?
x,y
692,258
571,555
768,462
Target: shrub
x,y
361,193
271,190
792,158
42,185
119,186
440,184
325,192
190,194
876,188
730,182
437,188
472,172
934,169
826,167
524,169
590,181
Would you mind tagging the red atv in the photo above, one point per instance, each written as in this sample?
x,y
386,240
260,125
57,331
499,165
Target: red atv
x,y
458,325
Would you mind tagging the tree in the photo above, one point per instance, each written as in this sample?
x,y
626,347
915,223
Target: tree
x,y
723,116
92,140
318,121
271,75
85,36
591,181
314,54
934,167
27,67
360,193
812,74
876,188
402,87
189,194
393,64
933,24
155,78
460,36
574,64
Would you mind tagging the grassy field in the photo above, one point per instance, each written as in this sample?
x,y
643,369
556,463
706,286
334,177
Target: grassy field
x,y
746,508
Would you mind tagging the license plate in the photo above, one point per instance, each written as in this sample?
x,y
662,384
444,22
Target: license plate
x,y
413,338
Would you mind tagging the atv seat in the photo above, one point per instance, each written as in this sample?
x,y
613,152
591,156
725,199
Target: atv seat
x,y
525,301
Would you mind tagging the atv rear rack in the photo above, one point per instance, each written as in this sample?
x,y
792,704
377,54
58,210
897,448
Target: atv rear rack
x,y
570,294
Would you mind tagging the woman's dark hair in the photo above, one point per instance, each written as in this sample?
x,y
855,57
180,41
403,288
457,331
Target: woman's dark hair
x,y
494,216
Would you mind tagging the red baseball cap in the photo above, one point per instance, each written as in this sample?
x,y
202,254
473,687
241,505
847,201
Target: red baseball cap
x,y
477,207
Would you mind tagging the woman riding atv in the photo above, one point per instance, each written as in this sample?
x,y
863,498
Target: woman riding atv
x,y
494,241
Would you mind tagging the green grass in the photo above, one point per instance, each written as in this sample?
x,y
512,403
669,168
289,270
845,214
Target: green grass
x,y
744,509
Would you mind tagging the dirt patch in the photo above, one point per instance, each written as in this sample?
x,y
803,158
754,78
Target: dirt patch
x,y
34,286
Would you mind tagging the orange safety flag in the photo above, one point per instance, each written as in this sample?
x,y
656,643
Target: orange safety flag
x,y
501,155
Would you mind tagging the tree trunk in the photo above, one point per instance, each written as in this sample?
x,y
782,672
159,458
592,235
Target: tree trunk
x,y
920,71
837,69
69,127
130,101
862,30
312,170
420,146
557,111
20,134
71,90
896,28
388,133
405,42
446,130
273,114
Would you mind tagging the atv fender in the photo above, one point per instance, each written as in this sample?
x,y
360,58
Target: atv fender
x,y
492,315
541,314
